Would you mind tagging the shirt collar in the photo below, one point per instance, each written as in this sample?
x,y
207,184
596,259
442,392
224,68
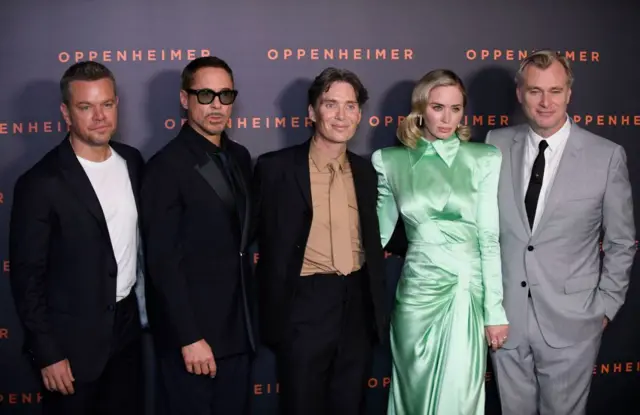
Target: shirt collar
x,y
321,160
446,149
555,140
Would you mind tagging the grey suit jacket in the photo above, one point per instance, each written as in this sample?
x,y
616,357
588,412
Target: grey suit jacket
x,y
560,261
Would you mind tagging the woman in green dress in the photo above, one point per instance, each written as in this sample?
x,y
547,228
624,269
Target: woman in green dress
x,y
448,304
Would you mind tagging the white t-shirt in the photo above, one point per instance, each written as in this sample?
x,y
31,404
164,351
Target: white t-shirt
x,y
110,181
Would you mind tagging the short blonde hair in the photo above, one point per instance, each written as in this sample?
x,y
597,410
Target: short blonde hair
x,y
542,59
409,132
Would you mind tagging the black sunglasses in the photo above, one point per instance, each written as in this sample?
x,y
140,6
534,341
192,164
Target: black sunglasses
x,y
206,96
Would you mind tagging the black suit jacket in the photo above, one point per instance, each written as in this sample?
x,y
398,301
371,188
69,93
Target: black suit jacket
x,y
283,208
196,235
63,270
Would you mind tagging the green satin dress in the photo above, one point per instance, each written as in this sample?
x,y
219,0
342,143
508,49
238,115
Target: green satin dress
x,y
451,282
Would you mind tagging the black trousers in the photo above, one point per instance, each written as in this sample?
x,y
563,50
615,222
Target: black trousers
x,y
119,389
185,393
325,358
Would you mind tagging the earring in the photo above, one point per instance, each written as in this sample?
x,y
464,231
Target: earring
x,y
420,121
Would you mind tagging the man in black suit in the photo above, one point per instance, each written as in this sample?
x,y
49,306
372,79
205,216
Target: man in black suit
x,y
320,268
74,248
195,208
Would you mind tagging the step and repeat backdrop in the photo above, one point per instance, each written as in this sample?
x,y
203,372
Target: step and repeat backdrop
x,y
275,49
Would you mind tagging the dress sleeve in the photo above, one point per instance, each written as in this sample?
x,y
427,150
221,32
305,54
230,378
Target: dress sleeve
x,y
386,204
489,234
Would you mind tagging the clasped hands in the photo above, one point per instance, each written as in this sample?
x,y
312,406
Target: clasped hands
x,y
496,336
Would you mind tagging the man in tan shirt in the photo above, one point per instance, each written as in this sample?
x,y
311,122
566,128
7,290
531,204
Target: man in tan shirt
x,y
321,269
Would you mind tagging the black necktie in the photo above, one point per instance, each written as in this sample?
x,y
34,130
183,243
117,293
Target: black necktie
x,y
535,183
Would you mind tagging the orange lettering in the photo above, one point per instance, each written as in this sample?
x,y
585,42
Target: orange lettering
x,y
509,55
477,120
408,54
136,55
595,56
295,122
504,120
1,198
629,367
3,128
484,54
386,381
583,56
492,120
272,54
600,120
256,257
5,266
257,389
242,122
308,122
497,53
301,53
4,333
64,58
381,54
33,127
343,54
106,56
255,122
617,367
471,54
636,120
314,54
169,124
281,122
176,54
47,126
388,120
205,52
357,54
92,55
151,55
570,55
286,54
374,121
13,399
372,383
387,254
191,54
395,54
121,55
577,119
79,56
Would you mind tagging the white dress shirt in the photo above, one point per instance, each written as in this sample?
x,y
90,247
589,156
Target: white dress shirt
x,y
552,156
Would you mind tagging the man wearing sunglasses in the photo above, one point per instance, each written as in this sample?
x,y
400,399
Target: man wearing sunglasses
x,y
195,214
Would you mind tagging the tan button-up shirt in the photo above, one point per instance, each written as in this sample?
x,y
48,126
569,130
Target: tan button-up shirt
x,y
317,256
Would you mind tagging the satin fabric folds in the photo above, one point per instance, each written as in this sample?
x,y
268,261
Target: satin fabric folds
x,y
451,284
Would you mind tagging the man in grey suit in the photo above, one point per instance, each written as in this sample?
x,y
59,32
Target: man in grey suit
x,y
560,187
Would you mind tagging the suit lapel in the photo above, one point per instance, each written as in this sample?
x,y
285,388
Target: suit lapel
x,y
302,173
517,159
78,181
244,214
212,174
208,169
362,197
569,164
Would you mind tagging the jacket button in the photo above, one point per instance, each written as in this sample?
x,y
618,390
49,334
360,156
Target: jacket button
x,y
111,307
529,248
523,284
